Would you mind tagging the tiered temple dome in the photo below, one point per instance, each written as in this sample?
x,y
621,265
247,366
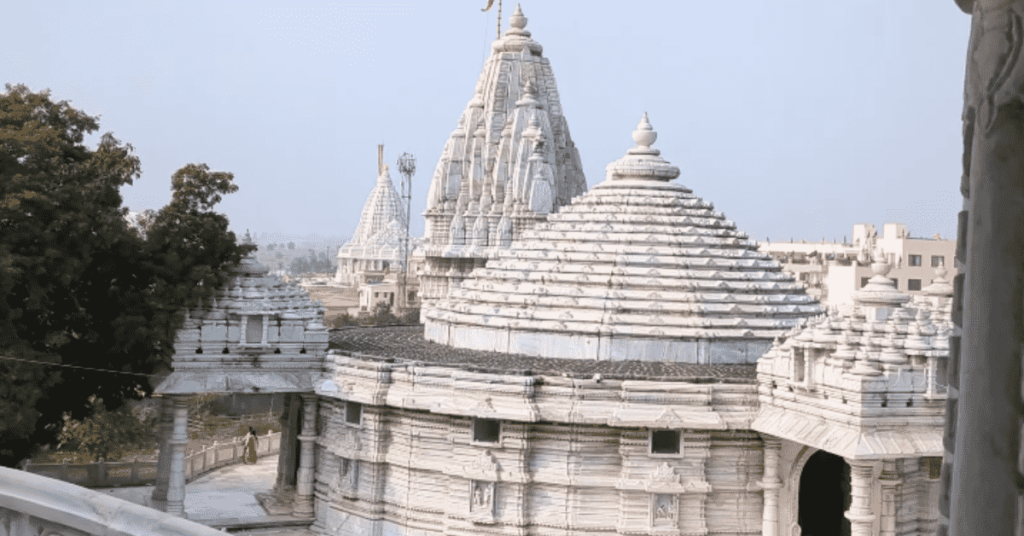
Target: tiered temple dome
x,y
376,245
636,269
510,162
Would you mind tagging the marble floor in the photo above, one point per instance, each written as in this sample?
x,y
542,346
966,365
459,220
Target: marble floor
x,y
227,493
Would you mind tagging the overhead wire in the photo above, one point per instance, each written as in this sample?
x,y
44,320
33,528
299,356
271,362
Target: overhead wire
x,y
80,367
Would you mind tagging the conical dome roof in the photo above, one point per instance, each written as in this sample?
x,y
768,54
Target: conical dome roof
x,y
382,207
636,269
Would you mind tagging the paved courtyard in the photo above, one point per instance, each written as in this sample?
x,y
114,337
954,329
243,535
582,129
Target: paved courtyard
x,y
225,494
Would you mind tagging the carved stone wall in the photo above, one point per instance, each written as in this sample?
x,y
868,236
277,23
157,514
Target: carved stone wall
x,y
544,478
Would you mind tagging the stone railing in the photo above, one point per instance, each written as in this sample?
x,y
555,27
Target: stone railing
x,y
32,504
136,473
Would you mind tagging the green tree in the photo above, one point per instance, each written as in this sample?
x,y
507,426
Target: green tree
x,y
108,434
79,284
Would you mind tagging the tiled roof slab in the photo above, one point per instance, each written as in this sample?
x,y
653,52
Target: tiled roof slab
x,y
408,343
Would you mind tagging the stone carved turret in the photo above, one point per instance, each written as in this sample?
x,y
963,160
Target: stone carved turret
x,y
866,381
510,162
257,334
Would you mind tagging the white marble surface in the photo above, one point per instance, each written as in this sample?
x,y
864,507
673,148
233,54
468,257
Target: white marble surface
x,y
31,504
637,268
509,162
222,494
257,335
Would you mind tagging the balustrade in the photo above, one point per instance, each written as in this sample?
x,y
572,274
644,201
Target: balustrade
x,y
104,474
33,504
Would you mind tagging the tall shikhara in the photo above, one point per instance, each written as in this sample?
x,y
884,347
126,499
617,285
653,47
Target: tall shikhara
x,y
508,164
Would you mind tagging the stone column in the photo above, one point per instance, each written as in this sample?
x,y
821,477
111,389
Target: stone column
x,y
860,515
284,466
179,438
771,484
307,438
163,464
980,490
890,480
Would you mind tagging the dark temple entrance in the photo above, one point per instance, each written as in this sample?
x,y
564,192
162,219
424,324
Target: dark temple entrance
x,y
824,496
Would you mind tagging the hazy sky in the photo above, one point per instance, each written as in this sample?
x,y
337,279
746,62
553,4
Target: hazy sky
x,y
796,118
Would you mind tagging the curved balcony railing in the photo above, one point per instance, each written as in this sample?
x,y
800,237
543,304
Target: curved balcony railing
x,y
33,504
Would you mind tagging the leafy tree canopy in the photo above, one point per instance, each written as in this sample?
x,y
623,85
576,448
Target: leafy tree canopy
x,y
108,434
82,286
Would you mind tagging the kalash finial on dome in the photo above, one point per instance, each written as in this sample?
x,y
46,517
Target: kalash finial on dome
x,y
644,136
880,291
247,240
940,285
517,22
642,162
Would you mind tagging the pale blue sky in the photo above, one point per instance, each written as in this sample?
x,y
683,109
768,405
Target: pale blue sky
x,y
796,118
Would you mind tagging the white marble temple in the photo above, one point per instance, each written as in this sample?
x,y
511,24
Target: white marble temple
x,y
509,163
375,249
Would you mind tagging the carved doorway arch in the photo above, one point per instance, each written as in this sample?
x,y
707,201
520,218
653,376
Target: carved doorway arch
x,y
824,496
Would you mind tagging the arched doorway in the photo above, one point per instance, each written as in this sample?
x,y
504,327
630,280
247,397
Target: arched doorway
x,y
824,496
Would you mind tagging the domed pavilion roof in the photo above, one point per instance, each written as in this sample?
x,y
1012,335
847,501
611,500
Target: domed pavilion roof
x,y
638,268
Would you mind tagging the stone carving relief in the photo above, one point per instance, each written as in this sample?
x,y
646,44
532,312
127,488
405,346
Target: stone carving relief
x,y
481,501
348,477
664,510
665,480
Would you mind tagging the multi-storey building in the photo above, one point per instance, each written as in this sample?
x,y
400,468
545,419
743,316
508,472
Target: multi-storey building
x,y
834,271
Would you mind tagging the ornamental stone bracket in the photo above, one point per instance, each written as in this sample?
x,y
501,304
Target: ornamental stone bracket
x,y
697,418
483,467
664,480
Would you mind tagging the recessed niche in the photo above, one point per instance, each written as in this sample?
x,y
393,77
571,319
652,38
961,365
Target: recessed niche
x,y
665,442
486,430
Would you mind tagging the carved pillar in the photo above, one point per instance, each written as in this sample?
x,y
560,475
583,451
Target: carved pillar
x,y
860,515
980,491
179,438
771,484
285,482
890,480
163,464
307,438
